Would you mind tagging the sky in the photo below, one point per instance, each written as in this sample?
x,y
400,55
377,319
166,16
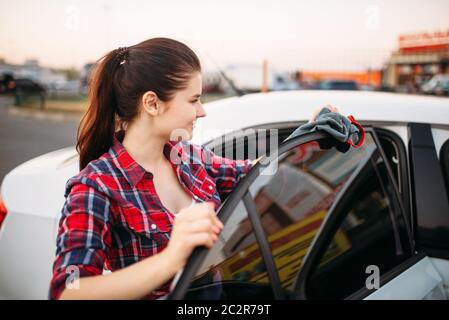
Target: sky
x,y
297,34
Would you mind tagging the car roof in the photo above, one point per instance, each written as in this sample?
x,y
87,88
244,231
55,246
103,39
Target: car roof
x,y
294,106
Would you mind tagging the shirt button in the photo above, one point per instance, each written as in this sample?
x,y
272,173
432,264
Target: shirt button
x,y
210,187
153,226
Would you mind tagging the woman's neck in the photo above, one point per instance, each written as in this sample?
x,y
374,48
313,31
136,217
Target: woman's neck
x,y
144,146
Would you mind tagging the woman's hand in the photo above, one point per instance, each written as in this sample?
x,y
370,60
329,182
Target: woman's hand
x,y
194,226
317,111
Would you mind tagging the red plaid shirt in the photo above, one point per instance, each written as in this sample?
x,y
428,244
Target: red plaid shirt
x,y
112,216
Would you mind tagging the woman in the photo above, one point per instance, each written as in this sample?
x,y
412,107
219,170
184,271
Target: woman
x,y
135,178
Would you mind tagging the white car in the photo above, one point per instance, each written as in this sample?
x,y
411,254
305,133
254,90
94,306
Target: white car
x,y
371,223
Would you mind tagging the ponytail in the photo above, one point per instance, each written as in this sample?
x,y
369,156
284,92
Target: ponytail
x,y
97,126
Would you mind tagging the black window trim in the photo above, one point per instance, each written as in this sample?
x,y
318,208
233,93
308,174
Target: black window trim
x,y
404,173
329,225
406,213
264,246
444,152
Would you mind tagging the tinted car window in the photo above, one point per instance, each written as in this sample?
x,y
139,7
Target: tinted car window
x,y
293,202
373,231
233,268
250,143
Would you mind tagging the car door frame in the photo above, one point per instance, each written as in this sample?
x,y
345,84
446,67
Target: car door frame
x,y
241,192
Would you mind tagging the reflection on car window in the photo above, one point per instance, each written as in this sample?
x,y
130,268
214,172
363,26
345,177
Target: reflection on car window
x,y
293,201
373,229
233,268
254,143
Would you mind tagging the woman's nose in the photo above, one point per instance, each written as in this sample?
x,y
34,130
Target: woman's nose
x,y
200,112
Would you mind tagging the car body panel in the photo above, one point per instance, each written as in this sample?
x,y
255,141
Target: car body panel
x,y
419,282
26,265
41,182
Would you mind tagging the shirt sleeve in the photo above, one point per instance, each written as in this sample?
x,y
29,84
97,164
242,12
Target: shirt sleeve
x,y
83,237
226,172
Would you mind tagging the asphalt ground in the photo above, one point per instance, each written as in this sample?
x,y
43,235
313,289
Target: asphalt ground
x,y
25,134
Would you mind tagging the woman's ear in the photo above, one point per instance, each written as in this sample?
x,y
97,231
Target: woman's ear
x,y
150,103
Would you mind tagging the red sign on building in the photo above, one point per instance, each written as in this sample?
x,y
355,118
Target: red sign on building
x,y
424,42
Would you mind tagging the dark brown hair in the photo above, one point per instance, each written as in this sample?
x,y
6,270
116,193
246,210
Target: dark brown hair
x,y
119,80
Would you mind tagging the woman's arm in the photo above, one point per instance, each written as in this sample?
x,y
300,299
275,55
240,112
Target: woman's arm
x,y
194,226
132,282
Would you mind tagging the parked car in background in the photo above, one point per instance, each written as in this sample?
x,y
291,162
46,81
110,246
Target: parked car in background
x,y
437,85
7,84
28,87
21,86
368,87
337,85
249,79
371,223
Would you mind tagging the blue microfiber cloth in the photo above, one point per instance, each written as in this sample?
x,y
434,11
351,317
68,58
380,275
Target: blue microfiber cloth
x,y
345,131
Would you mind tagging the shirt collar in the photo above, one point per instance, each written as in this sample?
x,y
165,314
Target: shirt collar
x,y
133,171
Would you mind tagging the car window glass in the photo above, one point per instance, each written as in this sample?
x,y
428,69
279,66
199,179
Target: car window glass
x,y
253,144
250,143
373,232
293,201
233,268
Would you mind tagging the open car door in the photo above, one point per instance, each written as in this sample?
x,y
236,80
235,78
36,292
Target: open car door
x,y
310,222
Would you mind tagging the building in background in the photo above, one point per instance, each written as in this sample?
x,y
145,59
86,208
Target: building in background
x,y
366,80
418,58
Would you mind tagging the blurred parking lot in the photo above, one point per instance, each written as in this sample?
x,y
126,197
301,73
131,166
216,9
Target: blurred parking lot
x,y
24,135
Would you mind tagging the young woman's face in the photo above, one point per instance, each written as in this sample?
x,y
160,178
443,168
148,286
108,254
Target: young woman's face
x,y
183,110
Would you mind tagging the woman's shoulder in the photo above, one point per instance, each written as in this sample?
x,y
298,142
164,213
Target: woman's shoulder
x,y
93,175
